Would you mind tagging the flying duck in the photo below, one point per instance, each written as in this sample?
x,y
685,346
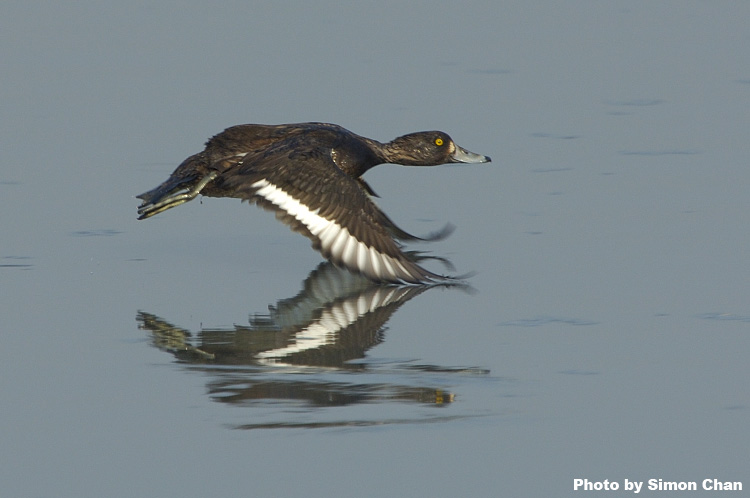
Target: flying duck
x,y
310,174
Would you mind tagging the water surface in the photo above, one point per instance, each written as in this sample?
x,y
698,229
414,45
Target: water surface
x,y
607,334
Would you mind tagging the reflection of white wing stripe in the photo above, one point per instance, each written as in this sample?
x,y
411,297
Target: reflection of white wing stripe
x,y
335,239
326,330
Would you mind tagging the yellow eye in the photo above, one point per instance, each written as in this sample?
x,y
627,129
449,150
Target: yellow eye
x,y
438,141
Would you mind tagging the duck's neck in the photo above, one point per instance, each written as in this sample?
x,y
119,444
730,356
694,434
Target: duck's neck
x,y
399,152
388,152
355,157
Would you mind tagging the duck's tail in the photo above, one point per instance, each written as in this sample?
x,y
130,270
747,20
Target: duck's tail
x,y
182,186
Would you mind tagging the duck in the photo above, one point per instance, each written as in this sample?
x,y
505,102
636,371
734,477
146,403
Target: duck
x,y
310,175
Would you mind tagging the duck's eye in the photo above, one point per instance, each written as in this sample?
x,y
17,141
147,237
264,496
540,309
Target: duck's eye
x,y
438,141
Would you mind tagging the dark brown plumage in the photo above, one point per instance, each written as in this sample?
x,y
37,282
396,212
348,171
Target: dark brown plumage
x,y
310,174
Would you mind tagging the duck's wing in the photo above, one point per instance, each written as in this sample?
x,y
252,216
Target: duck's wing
x,y
314,197
401,234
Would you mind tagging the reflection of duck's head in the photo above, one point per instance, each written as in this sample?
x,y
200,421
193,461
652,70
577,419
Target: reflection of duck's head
x,y
310,174
332,322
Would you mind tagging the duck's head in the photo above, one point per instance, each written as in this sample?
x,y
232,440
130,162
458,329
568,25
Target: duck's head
x,y
429,148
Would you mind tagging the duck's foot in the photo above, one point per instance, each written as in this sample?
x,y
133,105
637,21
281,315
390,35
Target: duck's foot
x,y
150,208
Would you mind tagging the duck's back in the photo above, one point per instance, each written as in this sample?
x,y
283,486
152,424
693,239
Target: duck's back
x,y
354,154
245,138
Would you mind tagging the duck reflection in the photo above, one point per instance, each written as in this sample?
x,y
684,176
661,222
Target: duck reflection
x,y
298,350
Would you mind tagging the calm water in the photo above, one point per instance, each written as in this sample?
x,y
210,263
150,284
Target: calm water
x,y
205,351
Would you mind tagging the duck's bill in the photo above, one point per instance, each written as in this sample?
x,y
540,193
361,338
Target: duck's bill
x,y
461,155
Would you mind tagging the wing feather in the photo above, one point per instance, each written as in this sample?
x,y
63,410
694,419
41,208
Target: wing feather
x,y
314,197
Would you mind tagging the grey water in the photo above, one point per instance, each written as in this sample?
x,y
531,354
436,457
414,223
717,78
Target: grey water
x,y
207,352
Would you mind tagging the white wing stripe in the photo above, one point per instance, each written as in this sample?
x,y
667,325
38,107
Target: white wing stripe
x,y
329,234
362,254
336,239
337,245
375,262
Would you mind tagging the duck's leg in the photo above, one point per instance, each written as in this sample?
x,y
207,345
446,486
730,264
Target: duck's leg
x,y
150,208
